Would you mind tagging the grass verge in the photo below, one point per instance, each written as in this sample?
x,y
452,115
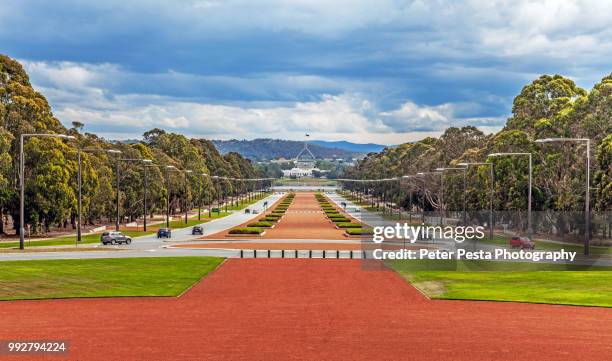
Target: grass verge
x,y
112,277
70,240
511,281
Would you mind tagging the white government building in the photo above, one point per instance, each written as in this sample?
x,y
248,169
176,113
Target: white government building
x,y
303,168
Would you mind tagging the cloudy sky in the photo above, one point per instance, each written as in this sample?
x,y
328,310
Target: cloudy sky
x,y
385,71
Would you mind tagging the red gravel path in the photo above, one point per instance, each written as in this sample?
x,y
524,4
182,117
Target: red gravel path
x,y
260,309
304,219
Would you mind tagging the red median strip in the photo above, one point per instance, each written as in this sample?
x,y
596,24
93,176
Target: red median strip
x,y
262,309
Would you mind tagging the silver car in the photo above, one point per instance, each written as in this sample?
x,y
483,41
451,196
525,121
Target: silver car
x,y
114,238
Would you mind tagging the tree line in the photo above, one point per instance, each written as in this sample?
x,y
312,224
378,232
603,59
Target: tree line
x,y
549,107
51,166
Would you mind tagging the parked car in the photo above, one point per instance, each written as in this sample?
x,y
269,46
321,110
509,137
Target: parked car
x,y
254,211
247,211
164,233
197,230
114,238
522,242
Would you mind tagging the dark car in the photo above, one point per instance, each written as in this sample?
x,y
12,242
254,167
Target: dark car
x,y
115,238
197,230
522,242
164,233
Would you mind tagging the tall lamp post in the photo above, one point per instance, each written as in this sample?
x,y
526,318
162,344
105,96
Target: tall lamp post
x,y
80,181
22,182
145,162
529,224
464,169
202,175
168,168
145,184
186,172
491,192
587,197
441,192
218,194
422,198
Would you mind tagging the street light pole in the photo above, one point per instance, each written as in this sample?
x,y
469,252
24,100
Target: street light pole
x,y
146,190
79,184
441,200
185,195
529,224
490,195
464,169
587,197
422,198
117,176
168,169
22,181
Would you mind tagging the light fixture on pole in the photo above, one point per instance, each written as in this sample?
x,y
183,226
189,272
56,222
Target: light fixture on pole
x,y
186,172
22,180
464,169
441,200
587,207
79,184
168,168
466,164
529,224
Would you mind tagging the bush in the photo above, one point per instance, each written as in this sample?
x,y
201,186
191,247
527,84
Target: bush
x,y
246,230
262,224
348,225
359,231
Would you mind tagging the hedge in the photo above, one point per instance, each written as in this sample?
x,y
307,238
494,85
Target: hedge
x,y
261,224
340,220
269,219
359,231
246,230
348,225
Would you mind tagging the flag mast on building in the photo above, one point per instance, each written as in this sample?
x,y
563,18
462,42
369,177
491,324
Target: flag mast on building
x,y
304,163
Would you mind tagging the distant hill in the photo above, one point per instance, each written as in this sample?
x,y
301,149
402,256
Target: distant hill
x,y
352,147
266,149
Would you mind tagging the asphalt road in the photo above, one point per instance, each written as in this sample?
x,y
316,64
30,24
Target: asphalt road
x,y
151,246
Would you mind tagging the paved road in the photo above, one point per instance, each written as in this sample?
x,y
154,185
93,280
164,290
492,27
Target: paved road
x,y
151,246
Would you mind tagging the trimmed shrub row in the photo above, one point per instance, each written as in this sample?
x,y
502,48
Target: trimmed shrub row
x,y
348,225
246,230
262,224
359,231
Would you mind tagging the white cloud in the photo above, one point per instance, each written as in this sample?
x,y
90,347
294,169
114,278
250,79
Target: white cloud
x,y
83,92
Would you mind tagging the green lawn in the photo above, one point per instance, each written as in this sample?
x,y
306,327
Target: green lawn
x,y
549,246
245,204
118,277
510,281
180,223
69,240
